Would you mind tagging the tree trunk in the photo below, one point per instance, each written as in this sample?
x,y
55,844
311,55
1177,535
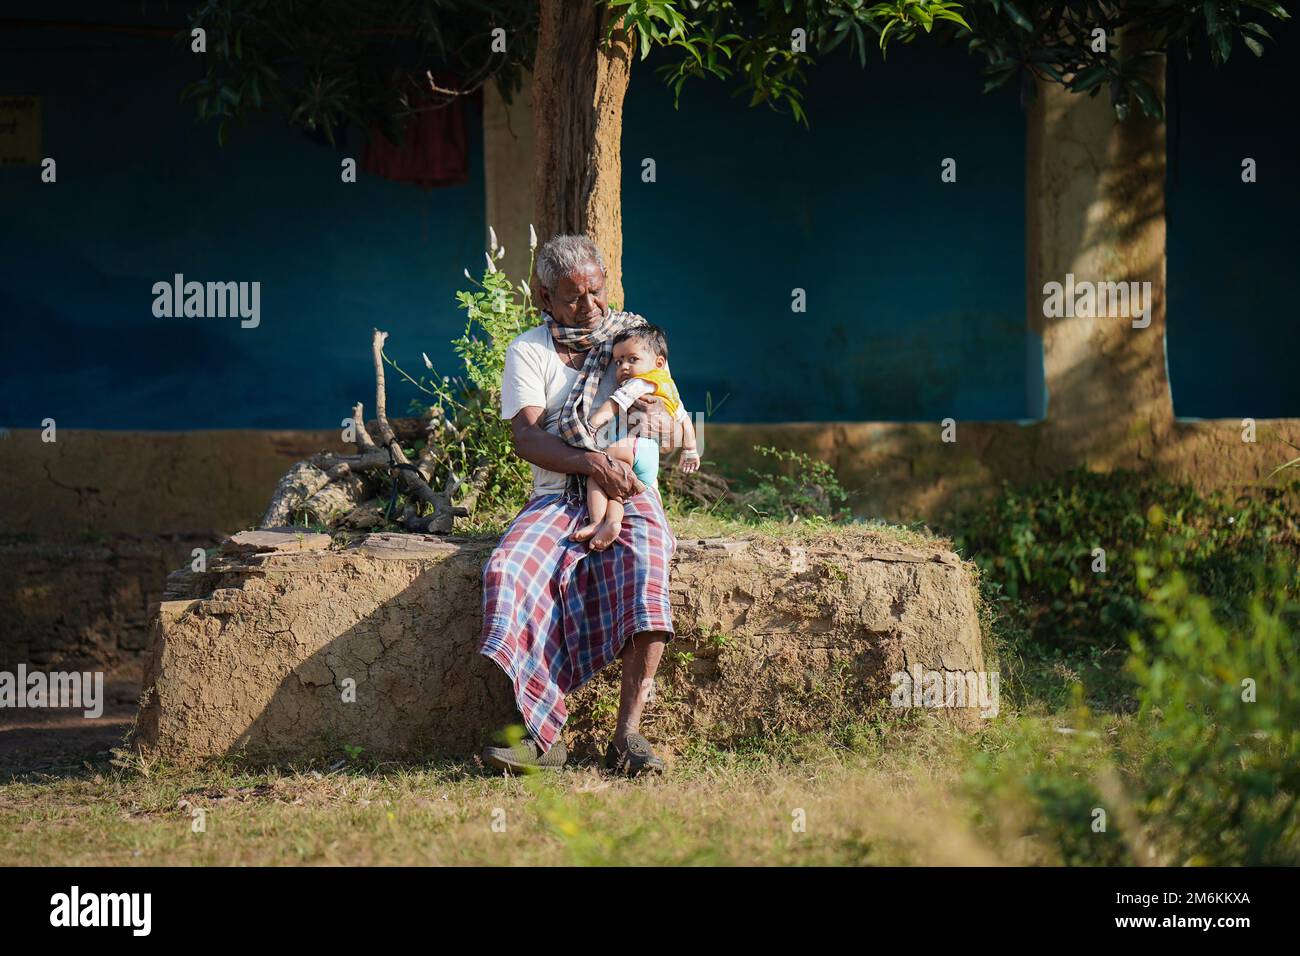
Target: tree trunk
x,y
578,87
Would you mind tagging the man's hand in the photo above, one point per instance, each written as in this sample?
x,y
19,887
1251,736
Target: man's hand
x,y
651,419
614,477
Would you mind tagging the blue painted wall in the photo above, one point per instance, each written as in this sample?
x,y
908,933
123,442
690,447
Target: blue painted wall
x,y
1234,319
915,287
144,192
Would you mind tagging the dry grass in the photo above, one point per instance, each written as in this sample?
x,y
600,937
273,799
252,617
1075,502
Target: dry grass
x,y
883,794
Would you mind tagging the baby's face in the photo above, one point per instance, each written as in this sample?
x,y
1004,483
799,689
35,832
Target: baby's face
x,y
631,357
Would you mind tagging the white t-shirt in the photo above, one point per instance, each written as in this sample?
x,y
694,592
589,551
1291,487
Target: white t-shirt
x,y
535,376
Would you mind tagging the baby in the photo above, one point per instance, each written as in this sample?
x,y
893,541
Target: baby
x,y
638,358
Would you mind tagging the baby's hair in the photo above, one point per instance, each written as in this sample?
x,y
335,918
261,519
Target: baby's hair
x,y
650,334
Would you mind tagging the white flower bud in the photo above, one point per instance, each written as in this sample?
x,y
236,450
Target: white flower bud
x,y
427,363
492,239
491,267
532,237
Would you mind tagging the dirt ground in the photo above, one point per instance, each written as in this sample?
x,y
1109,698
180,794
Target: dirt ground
x,y
58,741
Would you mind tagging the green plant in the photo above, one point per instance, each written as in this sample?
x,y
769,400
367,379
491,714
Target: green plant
x,y
1206,773
1043,785
754,42
798,487
1045,546
1028,42
716,638
1221,691
474,444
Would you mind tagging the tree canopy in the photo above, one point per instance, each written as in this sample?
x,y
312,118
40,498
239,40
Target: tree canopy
x,y
1027,41
327,63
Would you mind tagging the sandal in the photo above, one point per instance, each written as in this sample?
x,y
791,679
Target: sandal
x,y
636,757
526,756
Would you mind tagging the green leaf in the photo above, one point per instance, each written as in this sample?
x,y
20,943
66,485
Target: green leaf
x,y
954,17
1147,97
1271,7
884,34
837,37
1019,18
1088,79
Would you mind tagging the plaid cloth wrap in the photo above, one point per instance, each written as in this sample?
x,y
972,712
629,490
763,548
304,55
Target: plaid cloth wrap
x,y
598,343
556,612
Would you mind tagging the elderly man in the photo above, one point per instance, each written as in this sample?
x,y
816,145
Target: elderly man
x,y
555,611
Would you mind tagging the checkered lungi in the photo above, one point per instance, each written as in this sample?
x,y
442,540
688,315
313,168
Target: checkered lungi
x,y
556,612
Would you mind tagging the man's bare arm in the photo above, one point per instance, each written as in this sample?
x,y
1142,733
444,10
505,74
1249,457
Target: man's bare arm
x,y
535,444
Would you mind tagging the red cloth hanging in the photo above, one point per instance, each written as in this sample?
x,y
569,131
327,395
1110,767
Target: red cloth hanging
x,y
435,146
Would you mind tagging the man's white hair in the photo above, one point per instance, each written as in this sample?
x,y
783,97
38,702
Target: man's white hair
x,y
563,255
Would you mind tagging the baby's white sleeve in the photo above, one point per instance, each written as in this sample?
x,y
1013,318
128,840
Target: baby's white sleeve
x,y
625,395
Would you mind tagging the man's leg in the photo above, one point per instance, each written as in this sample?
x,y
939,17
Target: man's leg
x,y
520,595
641,657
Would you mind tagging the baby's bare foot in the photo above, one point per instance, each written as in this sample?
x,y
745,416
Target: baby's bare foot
x,y
606,535
585,532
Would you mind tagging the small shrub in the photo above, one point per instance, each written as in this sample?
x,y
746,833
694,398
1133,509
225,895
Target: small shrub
x,y
796,487
1059,622
474,442
1202,775
1038,544
1222,696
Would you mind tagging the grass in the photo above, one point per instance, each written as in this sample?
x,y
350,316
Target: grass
x,y
1187,785
696,523
693,523
883,793
689,523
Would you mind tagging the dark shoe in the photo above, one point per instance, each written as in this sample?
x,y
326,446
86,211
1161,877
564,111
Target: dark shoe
x,y
526,756
635,758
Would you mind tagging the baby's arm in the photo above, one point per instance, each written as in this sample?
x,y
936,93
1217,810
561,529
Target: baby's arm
x,y
690,450
622,399
607,410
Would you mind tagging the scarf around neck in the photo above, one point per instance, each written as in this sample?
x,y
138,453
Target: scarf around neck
x,y
598,343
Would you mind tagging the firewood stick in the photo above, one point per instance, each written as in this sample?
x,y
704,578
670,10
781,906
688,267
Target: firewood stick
x,y
364,440
409,479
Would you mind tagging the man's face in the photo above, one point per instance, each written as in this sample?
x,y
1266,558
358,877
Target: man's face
x,y
632,357
578,299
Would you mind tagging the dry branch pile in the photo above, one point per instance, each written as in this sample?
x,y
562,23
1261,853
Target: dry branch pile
x,y
342,490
